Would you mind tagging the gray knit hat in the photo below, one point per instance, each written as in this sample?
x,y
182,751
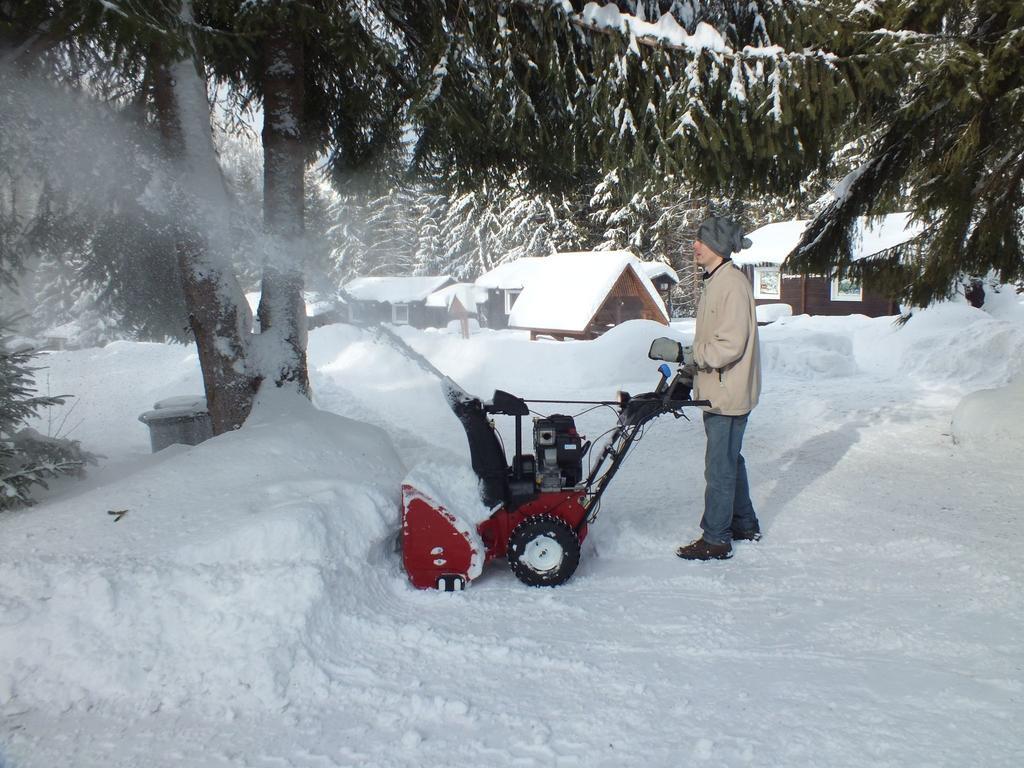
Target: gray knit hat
x,y
722,235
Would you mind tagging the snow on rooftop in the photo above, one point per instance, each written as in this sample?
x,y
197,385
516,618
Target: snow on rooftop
x,y
315,303
510,275
395,290
655,269
772,243
881,235
565,290
468,294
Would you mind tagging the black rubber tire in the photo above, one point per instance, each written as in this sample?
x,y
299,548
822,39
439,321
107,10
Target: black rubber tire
x,y
531,529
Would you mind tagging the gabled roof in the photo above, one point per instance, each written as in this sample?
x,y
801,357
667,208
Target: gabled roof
x,y
468,294
395,290
772,243
511,274
655,269
565,290
315,302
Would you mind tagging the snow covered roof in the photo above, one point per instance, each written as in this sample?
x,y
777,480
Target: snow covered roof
x,y
511,274
565,290
468,294
315,303
395,290
772,243
655,269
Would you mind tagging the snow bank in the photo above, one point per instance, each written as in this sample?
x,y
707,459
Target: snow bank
x,y
536,369
992,419
1005,303
213,587
769,313
948,345
248,595
804,349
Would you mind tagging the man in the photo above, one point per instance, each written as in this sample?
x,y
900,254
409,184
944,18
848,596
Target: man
x,y
726,361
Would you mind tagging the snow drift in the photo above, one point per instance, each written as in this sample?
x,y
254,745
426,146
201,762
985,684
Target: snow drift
x,y
252,577
213,586
992,419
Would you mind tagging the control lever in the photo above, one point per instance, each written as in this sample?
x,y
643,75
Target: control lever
x,y
665,372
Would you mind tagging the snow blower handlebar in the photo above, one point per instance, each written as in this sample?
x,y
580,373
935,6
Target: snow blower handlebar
x,y
502,483
669,396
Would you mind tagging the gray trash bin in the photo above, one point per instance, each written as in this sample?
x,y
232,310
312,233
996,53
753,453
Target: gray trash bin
x,y
182,420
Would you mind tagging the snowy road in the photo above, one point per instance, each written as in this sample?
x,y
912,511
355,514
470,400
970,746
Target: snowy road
x,y
878,622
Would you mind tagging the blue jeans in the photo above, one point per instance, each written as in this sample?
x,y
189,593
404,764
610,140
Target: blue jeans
x,y
727,504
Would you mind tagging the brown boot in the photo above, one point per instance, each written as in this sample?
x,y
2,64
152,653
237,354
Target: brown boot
x,y
754,534
705,550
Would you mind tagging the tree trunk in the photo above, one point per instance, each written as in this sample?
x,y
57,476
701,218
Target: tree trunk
x,y
220,339
282,309
218,313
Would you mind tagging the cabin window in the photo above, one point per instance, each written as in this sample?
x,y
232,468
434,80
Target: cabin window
x,y
767,283
846,289
510,299
400,314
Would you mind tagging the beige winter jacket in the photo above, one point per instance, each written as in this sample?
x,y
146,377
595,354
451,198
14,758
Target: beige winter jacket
x,y
726,347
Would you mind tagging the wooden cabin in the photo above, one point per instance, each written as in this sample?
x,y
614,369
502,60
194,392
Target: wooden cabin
x,y
461,302
582,295
396,300
501,287
764,264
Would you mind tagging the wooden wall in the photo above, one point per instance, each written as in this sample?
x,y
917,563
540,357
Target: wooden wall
x,y
812,296
494,309
420,315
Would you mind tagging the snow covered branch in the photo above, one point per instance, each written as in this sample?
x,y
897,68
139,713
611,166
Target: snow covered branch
x,y
667,34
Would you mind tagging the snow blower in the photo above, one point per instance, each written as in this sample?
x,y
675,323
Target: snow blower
x,y
543,503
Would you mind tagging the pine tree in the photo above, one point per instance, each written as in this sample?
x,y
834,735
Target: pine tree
x,y
56,287
64,299
28,458
430,233
61,202
346,233
946,140
542,89
318,264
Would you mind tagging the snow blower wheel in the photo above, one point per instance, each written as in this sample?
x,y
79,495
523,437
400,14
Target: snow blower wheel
x,y
543,551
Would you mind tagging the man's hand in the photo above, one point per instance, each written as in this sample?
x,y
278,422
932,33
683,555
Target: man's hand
x,y
688,361
687,374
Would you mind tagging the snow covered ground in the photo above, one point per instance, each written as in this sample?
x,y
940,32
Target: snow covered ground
x,y
248,609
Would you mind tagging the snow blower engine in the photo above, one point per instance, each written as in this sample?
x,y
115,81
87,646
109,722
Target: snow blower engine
x,y
541,505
